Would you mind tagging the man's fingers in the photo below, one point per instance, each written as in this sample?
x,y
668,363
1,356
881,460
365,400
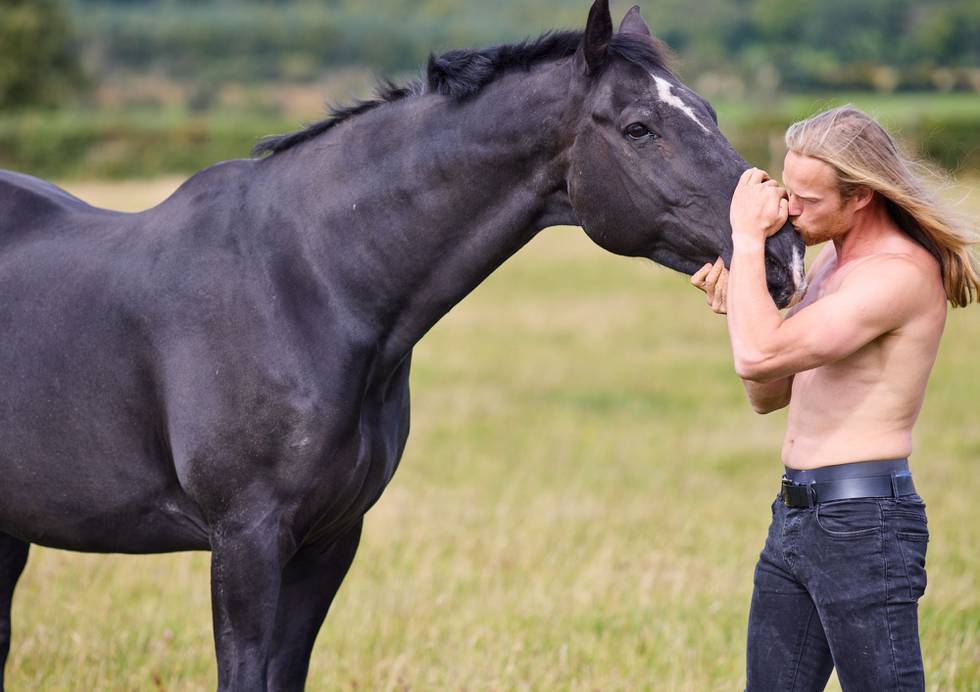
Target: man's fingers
x,y
783,215
751,176
698,276
697,279
715,282
716,286
715,272
718,302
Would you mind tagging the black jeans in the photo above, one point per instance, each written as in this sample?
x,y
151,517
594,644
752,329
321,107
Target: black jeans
x,y
838,584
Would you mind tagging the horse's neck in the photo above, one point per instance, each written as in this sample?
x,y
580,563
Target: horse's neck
x,y
420,200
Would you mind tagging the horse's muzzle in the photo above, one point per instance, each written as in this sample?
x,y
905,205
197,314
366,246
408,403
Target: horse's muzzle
x,y
785,275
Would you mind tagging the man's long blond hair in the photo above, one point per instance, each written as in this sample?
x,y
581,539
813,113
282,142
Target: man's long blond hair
x,y
864,155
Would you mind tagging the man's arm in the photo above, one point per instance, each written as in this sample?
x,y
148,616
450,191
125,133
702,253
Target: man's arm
x,y
763,397
766,397
874,298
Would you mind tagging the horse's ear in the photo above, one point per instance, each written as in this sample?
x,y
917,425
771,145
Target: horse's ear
x,y
633,23
598,31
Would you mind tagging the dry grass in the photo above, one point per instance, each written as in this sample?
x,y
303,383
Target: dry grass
x,y
557,523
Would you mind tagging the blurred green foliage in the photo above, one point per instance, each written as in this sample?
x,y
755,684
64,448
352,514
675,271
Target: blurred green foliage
x,y
180,84
38,63
92,144
807,44
149,142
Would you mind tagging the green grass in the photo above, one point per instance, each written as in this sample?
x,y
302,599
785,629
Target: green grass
x,y
580,507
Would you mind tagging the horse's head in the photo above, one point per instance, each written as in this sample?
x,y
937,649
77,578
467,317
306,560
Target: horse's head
x,y
650,174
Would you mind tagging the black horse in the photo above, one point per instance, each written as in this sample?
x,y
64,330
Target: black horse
x,y
228,371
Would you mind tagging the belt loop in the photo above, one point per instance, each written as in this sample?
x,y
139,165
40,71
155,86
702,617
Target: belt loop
x,y
811,494
894,480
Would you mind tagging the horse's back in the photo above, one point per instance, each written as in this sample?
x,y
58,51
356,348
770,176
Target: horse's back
x,y
29,204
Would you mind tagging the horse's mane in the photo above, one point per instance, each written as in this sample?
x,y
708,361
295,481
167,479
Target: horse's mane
x,y
460,74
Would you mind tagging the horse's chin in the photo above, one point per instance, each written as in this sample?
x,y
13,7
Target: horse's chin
x,y
670,259
785,294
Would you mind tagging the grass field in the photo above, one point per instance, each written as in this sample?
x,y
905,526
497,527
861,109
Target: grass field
x,y
580,507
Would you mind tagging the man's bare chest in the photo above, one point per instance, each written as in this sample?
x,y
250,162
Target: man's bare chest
x,y
819,285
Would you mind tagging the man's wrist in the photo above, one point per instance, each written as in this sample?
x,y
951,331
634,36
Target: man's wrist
x,y
751,246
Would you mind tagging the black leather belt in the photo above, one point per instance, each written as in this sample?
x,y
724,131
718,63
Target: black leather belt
x,y
809,494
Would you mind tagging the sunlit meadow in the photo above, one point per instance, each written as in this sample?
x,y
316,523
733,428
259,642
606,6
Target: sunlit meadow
x,y
583,497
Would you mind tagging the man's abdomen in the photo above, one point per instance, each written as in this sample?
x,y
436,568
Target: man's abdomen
x,y
836,421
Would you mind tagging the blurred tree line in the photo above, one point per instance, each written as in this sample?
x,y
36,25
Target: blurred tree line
x,y
882,45
38,63
806,44
145,87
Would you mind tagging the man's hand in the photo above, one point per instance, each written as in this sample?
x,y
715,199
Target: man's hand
x,y
759,208
713,280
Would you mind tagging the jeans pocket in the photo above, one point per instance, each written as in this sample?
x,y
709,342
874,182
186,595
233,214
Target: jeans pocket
x,y
913,546
912,500
849,518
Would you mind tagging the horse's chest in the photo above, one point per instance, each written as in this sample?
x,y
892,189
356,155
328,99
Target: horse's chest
x,y
384,433
369,464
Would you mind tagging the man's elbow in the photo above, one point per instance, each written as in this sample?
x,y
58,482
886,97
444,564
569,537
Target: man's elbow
x,y
754,369
764,407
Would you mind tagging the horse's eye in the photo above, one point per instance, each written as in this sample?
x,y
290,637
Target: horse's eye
x,y
638,131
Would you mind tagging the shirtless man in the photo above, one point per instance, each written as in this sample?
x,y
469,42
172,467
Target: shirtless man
x,y
843,567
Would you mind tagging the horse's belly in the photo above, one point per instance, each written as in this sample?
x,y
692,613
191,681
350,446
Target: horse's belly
x,y
109,524
95,500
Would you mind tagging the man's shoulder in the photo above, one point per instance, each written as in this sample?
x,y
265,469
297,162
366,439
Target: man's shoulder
x,y
892,269
903,285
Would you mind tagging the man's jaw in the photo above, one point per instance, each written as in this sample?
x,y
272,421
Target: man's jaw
x,y
808,239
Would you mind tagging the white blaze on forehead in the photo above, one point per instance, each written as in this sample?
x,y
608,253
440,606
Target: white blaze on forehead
x,y
667,96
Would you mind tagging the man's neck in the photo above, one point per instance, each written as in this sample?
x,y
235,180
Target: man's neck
x,y
871,233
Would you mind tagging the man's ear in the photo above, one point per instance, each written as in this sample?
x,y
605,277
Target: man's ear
x,y
862,197
598,32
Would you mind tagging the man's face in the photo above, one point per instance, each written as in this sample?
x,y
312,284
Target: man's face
x,y
816,208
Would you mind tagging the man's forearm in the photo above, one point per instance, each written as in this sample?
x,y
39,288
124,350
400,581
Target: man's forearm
x,y
766,397
752,316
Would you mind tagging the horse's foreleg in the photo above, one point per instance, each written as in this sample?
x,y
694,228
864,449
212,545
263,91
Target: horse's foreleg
x,y
13,557
246,573
309,584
